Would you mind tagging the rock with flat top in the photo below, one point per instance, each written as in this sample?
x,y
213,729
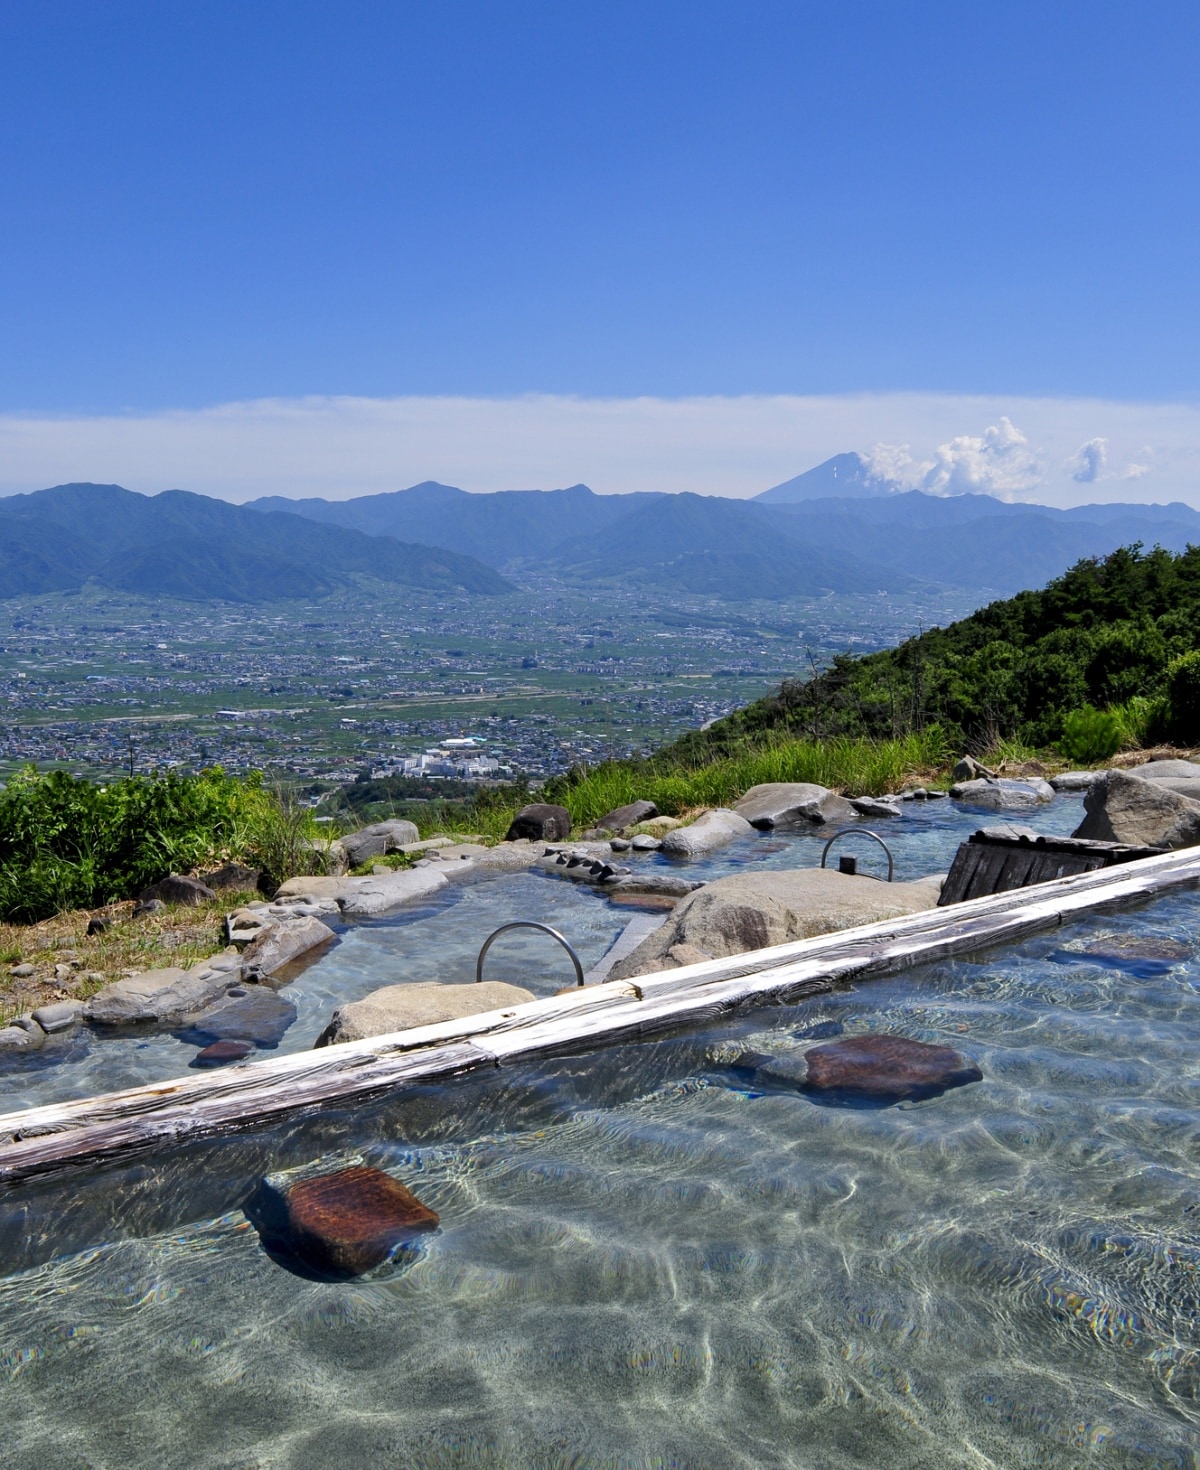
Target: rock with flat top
x,y
282,944
712,830
746,912
342,1223
363,898
628,816
1166,770
1124,808
378,840
1003,794
791,803
1075,780
540,822
401,1007
161,997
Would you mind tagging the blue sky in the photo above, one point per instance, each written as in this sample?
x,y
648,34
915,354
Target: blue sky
x,y
215,203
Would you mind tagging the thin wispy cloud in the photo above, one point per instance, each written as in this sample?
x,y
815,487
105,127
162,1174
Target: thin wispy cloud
x,y
1061,451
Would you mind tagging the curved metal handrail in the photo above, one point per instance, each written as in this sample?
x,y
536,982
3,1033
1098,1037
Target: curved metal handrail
x,y
861,832
529,924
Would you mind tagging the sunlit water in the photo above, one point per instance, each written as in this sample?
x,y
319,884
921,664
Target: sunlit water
x,y
642,1263
440,939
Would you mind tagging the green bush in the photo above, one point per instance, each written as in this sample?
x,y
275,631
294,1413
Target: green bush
x,y
66,843
1183,695
1090,735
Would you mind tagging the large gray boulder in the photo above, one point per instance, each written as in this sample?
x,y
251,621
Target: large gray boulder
x,y
163,997
176,888
628,816
401,1007
1003,794
1124,808
1166,771
378,840
540,822
734,915
788,803
714,829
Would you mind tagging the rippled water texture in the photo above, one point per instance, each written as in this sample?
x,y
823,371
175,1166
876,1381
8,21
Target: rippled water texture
x,y
642,1263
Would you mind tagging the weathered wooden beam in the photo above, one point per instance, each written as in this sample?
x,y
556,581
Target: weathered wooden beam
x,y
43,1139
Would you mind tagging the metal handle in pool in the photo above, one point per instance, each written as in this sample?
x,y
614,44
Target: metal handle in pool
x,y
529,924
860,832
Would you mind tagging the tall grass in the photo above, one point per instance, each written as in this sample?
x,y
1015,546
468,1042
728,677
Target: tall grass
x,y
860,767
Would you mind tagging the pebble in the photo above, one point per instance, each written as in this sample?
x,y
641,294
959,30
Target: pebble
x,y
21,972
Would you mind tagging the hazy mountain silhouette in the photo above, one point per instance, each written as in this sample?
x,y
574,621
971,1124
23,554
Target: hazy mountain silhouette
x,y
184,545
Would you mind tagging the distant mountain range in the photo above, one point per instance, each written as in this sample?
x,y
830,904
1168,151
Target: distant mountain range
x,y
182,545
836,528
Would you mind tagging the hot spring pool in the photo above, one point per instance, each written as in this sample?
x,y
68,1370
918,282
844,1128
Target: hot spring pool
x,y
440,939
642,1263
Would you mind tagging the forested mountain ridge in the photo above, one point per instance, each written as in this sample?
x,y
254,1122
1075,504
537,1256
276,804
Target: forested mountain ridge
x,y
191,546
1112,632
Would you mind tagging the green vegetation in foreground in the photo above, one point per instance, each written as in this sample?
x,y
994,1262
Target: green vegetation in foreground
x,y
1119,635
66,843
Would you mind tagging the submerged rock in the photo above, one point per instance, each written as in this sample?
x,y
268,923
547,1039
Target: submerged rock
x,y
886,1068
714,829
258,1016
1125,808
1143,955
344,1223
401,1007
221,1053
789,803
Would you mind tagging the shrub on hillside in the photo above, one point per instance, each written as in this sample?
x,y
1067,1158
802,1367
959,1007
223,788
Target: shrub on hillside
x,y
1090,735
1183,694
67,843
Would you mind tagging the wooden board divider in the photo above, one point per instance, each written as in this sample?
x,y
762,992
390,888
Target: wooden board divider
x,y
44,1139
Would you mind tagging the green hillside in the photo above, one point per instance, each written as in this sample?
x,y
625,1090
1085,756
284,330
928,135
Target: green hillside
x,y
1119,633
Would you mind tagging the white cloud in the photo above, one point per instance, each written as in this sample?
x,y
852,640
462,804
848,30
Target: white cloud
x,y
998,462
339,447
1087,463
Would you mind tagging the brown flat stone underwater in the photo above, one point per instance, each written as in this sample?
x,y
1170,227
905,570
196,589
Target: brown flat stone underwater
x,y
644,1258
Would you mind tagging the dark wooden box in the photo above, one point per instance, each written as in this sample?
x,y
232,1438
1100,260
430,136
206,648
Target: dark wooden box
x,y
995,861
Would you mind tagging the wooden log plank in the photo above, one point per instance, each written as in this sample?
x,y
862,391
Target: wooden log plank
x,y
41,1139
